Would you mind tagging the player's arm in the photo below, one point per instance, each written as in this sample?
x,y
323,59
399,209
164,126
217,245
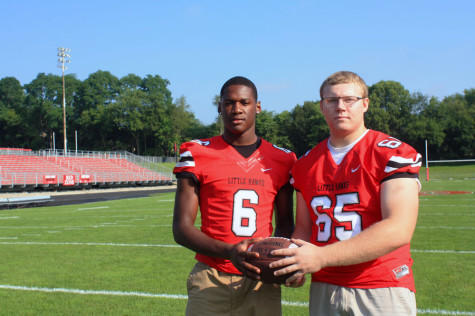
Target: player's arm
x,y
303,221
284,215
399,207
187,235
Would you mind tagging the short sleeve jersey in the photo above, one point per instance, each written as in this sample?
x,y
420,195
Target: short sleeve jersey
x,y
236,194
344,199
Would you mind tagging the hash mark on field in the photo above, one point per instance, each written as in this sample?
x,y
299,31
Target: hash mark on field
x,y
11,217
8,237
181,297
92,208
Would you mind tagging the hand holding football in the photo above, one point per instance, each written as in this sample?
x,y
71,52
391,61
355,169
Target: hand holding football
x,y
264,248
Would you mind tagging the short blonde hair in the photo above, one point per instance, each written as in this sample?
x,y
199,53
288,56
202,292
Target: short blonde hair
x,y
342,77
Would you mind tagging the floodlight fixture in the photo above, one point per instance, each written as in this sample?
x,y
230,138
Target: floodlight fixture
x,y
62,60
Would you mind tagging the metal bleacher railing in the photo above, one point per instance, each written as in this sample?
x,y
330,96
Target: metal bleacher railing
x,y
26,168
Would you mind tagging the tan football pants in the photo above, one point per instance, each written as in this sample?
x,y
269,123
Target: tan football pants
x,y
333,300
211,292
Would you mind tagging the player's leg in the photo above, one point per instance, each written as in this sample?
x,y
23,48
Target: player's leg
x,y
257,298
325,299
208,292
395,301
328,299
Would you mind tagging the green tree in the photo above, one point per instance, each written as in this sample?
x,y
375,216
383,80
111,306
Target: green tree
x,y
127,115
96,96
307,128
274,127
11,112
183,121
283,121
426,125
218,127
459,111
44,111
390,108
157,110
266,126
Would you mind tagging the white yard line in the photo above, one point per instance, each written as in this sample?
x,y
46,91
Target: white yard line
x,y
178,246
445,205
182,297
81,227
444,227
444,251
87,244
446,214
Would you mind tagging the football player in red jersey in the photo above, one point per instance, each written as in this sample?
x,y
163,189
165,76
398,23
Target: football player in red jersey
x,y
235,180
357,204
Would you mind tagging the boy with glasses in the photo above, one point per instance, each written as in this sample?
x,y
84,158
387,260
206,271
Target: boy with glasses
x,y
357,204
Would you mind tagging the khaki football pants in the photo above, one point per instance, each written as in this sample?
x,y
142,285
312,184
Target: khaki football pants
x,y
211,292
333,300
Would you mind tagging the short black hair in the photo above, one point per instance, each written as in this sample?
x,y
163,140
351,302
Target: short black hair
x,y
241,81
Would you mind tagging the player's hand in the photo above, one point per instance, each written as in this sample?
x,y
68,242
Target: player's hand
x,y
307,258
295,282
238,255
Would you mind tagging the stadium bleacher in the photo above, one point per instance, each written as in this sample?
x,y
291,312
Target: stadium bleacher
x,y
27,169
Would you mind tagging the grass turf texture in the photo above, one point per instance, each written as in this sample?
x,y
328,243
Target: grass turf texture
x,y
107,254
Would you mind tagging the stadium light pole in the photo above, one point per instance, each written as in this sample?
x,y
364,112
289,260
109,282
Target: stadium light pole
x,y
62,60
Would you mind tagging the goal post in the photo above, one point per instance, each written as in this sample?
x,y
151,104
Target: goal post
x,y
459,168
427,163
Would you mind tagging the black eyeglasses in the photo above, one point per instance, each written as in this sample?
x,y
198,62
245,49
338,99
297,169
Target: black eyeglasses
x,y
347,100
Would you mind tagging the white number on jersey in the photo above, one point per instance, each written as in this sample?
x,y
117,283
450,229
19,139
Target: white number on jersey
x,y
244,218
390,143
324,222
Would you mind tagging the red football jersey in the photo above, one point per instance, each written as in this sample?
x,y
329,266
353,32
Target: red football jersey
x,y
344,199
236,194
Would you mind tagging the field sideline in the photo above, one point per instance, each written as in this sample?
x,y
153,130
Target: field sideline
x,y
119,257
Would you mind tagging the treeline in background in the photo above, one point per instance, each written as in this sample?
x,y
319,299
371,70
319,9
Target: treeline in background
x,y
139,115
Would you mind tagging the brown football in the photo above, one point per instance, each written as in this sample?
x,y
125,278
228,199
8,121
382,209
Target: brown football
x,y
264,248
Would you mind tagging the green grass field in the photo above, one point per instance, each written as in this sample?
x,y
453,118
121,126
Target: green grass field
x,y
119,257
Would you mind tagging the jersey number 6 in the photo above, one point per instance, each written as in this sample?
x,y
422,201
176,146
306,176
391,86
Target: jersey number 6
x,y
244,218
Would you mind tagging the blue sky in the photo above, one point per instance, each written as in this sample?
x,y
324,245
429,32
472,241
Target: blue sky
x,y
286,47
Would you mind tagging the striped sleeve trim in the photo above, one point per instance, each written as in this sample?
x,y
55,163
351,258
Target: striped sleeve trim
x,y
396,163
186,154
181,164
186,160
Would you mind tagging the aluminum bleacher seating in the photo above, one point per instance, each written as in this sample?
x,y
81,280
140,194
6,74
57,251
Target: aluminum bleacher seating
x,y
49,170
